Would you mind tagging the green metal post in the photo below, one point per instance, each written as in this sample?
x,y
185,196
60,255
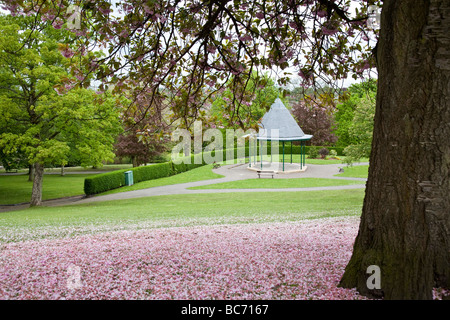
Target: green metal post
x,y
271,160
261,153
301,155
254,153
283,156
291,152
304,154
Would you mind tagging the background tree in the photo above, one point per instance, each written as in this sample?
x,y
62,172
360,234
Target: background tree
x,y
181,46
315,116
345,110
361,130
145,138
260,94
13,161
38,119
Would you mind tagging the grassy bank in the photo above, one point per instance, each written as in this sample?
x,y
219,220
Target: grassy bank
x,y
17,189
176,210
279,183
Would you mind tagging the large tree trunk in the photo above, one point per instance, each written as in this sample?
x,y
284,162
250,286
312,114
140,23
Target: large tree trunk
x,y
405,223
36,193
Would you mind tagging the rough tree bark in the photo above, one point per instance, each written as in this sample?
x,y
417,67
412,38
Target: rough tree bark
x,y
36,193
405,223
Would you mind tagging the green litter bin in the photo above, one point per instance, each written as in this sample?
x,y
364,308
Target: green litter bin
x,y
128,178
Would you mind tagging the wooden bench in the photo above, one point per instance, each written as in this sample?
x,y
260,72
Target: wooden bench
x,y
266,173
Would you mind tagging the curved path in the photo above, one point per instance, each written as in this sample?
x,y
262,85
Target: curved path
x,y
230,173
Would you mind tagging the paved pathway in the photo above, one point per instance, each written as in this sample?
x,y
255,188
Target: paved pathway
x,y
230,173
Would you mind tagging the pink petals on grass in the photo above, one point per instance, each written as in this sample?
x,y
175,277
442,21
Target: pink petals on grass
x,y
285,260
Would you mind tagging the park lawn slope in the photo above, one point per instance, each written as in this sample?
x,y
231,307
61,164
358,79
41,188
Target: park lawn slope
x,y
268,183
175,211
16,189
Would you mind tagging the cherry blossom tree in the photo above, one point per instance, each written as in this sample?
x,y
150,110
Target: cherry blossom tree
x,y
184,51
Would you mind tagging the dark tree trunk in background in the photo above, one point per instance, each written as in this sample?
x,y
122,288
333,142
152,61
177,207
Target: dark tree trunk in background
x,y
405,223
36,193
31,172
134,161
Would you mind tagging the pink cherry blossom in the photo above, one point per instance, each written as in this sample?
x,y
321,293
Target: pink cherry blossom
x,y
295,260
58,23
67,53
47,17
265,260
259,15
322,13
328,32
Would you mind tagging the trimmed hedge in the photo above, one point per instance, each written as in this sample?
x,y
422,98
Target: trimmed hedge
x,y
295,148
104,182
116,179
111,180
155,171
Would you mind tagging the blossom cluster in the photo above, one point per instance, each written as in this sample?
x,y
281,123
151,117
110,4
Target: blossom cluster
x,y
284,260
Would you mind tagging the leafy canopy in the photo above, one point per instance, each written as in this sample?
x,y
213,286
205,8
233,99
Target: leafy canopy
x,y
41,119
345,110
182,52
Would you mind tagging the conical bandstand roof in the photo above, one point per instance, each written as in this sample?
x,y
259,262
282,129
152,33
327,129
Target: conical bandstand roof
x,y
279,124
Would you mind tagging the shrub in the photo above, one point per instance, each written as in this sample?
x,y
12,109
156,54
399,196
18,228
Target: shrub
x,y
195,162
333,153
323,153
313,153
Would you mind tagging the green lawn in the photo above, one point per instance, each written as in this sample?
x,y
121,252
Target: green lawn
x,y
355,172
176,210
278,183
17,189
197,174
